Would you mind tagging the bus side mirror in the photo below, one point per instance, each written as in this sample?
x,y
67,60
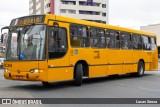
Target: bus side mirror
x,y
2,38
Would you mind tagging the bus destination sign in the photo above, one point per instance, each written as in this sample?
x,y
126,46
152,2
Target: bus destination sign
x,y
27,20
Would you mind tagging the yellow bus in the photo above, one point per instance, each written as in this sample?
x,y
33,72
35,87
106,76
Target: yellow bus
x,y
50,48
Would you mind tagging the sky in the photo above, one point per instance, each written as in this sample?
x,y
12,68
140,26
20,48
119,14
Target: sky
x,y
125,13
134,13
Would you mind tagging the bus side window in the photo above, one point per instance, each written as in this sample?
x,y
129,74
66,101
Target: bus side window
x,y
93,38
79,36
75,38
84,36
117,41
126,43
97,39
136,42
153,43
146,43
101,38
112,39
108,39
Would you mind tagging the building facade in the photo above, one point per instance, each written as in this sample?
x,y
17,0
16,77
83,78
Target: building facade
x,y
35,7
91,10
155,28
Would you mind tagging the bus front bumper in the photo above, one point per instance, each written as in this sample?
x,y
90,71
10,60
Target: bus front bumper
x,y
24,76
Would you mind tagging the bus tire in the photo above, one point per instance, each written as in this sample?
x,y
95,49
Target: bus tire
x,y
140,68
45,84
78,73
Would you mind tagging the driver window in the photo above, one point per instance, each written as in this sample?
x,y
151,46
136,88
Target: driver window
x,y
57,42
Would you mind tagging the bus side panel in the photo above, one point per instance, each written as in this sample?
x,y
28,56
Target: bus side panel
x,y
114,69
147,59
60,74
115,62
95,58
154,60
137,55
127,60
98,63
97,71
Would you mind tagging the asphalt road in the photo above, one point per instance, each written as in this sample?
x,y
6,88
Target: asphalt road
x,y
124,86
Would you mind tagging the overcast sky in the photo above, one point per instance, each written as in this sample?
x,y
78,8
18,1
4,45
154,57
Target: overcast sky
x,y
126,13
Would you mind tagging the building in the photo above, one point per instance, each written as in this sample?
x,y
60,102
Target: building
x,y
155,28
35,6
91,10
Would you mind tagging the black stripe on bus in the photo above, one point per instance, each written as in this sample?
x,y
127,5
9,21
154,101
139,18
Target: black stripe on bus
x,y
97,65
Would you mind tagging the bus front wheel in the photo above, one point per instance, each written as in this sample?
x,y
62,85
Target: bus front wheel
x,y
78,73
45,84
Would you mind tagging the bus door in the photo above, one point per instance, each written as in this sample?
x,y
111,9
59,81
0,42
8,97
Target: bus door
x,y
127,52
58,53
115,55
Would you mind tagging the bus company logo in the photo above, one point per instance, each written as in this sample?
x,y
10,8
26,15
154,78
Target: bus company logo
x,y
76,52
6,101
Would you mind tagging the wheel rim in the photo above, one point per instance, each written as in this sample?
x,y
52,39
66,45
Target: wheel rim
x,y
141,70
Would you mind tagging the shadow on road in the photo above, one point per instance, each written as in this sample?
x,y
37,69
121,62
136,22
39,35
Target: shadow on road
x,y
68,84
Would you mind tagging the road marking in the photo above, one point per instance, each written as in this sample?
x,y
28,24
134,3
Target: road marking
x,y
147,89
121,84
150,82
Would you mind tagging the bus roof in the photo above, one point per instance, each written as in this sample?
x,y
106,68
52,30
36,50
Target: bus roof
x,y
95,24
45,18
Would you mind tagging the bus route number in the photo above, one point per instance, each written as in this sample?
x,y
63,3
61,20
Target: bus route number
x,y
7,65
97,56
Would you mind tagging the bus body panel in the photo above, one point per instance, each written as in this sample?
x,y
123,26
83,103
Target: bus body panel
x,y
22,71
154,60
98,62
127,56
101,62
115,62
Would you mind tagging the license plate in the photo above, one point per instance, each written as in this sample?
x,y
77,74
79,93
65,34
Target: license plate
x,y
19,77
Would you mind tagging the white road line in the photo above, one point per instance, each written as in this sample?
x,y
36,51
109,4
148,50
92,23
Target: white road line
x,y
150,82
147,89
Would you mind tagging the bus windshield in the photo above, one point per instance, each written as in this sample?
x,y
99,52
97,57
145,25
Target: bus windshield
x,y
26,43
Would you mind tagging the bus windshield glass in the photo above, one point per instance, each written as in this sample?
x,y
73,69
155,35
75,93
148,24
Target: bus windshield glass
x,y
26,43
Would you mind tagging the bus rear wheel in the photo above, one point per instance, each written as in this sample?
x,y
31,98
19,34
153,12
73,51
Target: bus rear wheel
x,y
140,72
78,73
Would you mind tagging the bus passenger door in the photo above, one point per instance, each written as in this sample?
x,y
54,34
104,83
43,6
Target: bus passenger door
x,y
58,53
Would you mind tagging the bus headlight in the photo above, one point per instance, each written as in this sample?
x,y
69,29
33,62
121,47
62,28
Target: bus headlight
x,y
36,71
